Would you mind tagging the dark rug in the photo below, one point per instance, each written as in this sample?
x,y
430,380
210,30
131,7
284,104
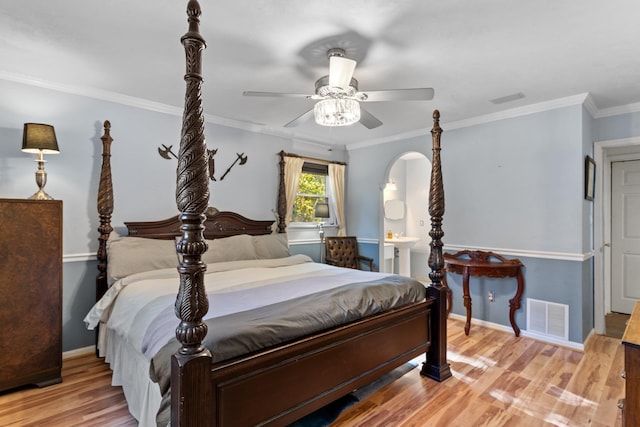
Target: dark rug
x,y
328,414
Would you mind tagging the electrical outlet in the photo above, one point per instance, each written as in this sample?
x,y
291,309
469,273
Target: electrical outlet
x,y
422,223
492,296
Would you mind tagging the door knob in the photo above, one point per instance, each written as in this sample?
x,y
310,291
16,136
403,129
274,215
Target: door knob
x,y
608,245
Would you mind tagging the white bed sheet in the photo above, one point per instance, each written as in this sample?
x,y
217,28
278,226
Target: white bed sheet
x,y
131,372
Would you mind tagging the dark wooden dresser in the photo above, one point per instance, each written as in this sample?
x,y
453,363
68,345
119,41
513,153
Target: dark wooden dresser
x,y
30,292
630,405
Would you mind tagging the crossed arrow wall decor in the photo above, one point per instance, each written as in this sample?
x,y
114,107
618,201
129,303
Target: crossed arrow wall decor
x,y
166,153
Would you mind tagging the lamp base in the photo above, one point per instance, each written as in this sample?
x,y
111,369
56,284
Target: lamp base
x,y
41,195
41,180
321,232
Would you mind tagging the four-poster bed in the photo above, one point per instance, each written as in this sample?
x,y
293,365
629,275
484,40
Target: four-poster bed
x,y
277,383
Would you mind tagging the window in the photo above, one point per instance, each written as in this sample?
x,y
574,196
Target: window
x,y
312,189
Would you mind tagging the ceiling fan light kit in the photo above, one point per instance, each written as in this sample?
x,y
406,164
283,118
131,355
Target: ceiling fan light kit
x,y
336,112
338,98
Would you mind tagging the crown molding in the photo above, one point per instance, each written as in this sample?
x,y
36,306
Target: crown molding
x,y
583,98
144,104
615,111
397,137
132,101
519,111
590,105
93,93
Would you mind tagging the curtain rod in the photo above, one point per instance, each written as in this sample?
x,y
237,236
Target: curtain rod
x,y
283,153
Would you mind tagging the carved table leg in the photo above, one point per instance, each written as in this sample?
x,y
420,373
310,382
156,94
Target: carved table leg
x,y
467,299
514,303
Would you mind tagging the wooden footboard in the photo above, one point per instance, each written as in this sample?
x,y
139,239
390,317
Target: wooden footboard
x,y
277,387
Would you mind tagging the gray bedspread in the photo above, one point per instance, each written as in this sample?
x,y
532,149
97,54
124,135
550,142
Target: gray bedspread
x,y
248,331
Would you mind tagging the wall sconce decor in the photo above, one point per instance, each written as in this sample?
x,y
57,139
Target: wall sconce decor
x,y
40,139
166,153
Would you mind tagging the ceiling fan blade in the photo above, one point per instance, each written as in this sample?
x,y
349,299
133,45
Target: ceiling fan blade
x,y
275,94
417,94
368,120
302,118
341,71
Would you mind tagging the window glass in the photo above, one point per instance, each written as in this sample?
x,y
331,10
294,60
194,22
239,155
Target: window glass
x,y
312,189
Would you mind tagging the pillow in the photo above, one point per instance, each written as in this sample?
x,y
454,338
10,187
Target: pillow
x,y
128,255
234,248
271,246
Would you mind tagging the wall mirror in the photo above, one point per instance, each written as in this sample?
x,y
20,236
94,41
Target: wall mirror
x,y
394,209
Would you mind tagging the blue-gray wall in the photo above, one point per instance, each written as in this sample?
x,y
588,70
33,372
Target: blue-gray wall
x,y
616,127
144,182
514,184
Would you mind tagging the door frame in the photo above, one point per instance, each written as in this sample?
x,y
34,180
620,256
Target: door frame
x,y
602,225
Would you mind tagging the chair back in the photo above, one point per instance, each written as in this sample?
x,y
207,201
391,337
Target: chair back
x,y
342,251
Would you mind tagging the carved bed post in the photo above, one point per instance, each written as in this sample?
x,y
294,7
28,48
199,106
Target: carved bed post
x,y
105,209
436,366
282,197
191,365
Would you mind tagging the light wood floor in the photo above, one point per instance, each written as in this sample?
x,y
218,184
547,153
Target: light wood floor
x,y
84,398
498,380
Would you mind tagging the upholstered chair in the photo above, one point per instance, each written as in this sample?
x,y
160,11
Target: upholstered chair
x,y
343,252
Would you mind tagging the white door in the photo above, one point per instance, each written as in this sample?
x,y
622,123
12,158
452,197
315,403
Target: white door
x,y
625,235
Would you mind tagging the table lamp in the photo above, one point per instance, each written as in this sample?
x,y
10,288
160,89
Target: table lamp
x,y
40,138
321,211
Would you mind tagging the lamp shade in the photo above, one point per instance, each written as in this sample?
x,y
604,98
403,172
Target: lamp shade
x,y
322,210
38,137
340,72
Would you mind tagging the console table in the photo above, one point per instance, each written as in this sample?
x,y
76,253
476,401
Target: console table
x,y
488,264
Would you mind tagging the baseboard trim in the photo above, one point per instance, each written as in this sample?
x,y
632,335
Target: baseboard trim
x,y
84,351
538,337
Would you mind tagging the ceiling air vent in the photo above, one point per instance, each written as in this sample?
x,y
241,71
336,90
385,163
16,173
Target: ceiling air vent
x,y
508,98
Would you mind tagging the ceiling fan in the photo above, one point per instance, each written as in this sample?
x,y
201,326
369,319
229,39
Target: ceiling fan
x,y
339,99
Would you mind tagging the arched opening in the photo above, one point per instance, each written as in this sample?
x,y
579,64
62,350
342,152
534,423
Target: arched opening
x,y
404,208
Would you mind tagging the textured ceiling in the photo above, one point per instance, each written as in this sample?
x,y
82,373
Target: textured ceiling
x,y
470,52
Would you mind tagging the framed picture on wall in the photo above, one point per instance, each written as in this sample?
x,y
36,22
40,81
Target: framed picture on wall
x,y
589,177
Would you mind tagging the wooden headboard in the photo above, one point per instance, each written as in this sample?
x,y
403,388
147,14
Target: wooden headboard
x,y
217,225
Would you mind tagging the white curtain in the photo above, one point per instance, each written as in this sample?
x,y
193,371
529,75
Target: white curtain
x,y
292,172
336,182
